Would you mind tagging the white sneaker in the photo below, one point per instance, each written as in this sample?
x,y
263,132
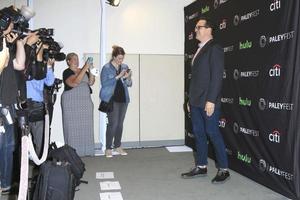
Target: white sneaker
x,y
108,153
121,151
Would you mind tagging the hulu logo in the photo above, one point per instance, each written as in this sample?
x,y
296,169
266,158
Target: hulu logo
x,y
245,45
244,102
244,158
205,9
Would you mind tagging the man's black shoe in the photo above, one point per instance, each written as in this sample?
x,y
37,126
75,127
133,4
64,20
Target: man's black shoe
x,y
195,172
221,177
6,191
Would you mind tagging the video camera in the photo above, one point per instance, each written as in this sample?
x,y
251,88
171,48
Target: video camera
x,y
19,17
45,36
53,50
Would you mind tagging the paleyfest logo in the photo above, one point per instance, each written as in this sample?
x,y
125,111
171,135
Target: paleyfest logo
x,y
228,48
244,74
192,16
237,129
264,40
217,3
267,168
239,19
264,104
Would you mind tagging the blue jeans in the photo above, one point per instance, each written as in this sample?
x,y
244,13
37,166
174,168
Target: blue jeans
x,y
203,127
7,147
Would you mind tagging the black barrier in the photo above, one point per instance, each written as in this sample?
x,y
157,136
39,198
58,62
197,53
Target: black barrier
x,y
261,86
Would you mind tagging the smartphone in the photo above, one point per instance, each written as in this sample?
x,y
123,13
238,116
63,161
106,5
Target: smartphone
x,y
128,70
90,60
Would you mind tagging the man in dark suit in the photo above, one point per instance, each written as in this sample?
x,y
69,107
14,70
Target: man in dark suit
x,y
204,102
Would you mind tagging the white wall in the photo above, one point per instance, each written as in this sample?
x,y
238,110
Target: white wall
x,y
140,26
147,26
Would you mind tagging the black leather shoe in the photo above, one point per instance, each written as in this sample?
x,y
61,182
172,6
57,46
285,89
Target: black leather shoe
x,y
6,191
221,177
195,172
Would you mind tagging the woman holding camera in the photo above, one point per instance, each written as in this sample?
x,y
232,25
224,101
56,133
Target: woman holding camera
x,y
115,80
77,106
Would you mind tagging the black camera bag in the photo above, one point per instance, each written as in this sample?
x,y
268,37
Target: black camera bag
x,y
36,111
68,154
55,182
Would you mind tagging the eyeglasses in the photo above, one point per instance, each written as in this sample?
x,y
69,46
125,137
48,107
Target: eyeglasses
x,y
199,27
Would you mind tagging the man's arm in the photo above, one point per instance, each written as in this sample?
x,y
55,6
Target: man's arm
x,y
216,64
216,73
4,56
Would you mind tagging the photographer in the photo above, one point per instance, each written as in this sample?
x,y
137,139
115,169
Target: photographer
x,y
35,90
8,98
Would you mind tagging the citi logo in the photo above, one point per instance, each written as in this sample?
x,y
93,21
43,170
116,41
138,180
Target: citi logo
x,y
191,36
223,24
205,9
275,5
275,71
274,136
244,102
228,49
245,45
245,158
264,104
222,123
217,3
265,167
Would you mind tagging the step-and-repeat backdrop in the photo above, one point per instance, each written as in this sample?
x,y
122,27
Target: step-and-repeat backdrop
x,y
261,80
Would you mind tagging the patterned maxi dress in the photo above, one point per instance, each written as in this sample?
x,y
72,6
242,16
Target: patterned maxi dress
x,y
78,122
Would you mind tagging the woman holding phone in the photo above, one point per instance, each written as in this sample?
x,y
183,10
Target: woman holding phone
x,y
77,106
115,80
